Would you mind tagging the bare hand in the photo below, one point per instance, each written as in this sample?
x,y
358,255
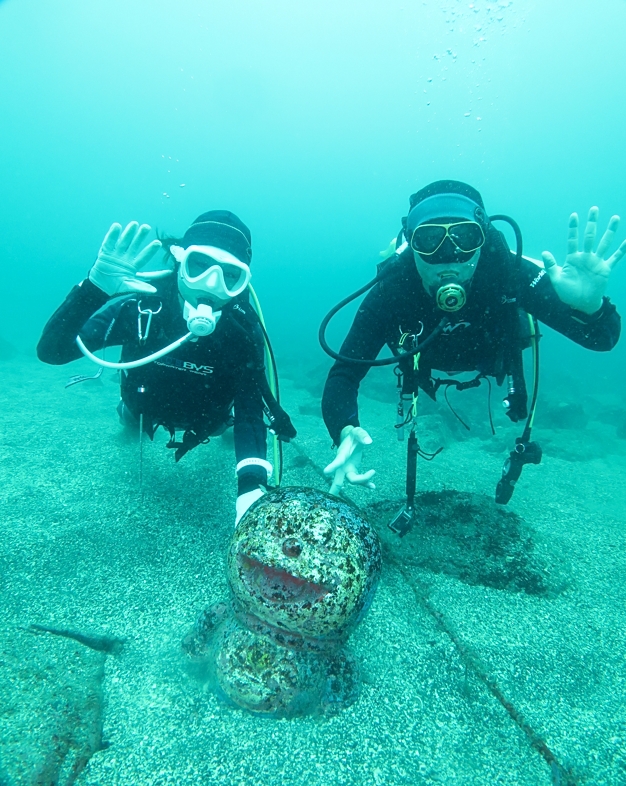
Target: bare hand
x,y
346,464
581,280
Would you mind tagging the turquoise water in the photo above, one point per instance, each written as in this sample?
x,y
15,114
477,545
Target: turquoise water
x,y
313,122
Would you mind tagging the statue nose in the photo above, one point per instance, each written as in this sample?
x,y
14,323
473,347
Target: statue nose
x,y
292,547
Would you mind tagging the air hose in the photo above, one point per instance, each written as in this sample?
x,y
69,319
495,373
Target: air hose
x,y
272,373
370,361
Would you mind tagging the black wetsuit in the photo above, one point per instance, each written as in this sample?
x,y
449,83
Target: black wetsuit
x,y
479,336
191,389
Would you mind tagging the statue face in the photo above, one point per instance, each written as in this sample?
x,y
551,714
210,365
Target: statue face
x,y
305,563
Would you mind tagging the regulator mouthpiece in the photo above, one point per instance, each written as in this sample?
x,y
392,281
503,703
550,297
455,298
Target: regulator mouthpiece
x,y
451,297
201,321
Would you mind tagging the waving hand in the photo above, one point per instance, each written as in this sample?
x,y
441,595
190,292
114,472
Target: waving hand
x,y
581,280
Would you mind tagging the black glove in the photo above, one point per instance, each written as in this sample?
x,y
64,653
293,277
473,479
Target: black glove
x,y
280,423
190,441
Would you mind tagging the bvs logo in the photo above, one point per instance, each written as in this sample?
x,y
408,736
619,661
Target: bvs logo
x,y
195,369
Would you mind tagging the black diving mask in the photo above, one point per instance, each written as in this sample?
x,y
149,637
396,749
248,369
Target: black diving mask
x,y
427,239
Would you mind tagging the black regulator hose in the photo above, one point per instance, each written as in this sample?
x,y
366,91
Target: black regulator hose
x,y
525,438
518,234
525,451
370,361
392,360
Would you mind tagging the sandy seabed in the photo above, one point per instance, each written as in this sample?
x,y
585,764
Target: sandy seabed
x,y
471,674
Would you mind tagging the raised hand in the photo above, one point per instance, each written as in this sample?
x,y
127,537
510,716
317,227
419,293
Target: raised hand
x,y
581,280
121,257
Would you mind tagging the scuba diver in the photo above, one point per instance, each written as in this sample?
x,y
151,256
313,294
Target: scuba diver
x,y
454,298
193,347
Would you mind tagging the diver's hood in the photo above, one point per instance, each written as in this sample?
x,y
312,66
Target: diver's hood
x,y
214,259
446,276
444,198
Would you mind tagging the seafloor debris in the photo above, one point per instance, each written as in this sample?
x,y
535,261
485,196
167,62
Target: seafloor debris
x,y
469,537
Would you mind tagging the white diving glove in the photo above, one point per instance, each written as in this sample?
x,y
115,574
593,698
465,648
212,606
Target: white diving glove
x,y
581,281
244,501
120,259
348,460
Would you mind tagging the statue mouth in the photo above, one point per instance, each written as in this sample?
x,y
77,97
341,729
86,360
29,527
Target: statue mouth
x,y
277,585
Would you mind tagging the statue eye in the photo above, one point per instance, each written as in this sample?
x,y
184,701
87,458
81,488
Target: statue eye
x,y
292,548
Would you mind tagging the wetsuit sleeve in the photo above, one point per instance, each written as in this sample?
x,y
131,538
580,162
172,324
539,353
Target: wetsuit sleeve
x,y
366,338
57,344
249,428
82,313
599,331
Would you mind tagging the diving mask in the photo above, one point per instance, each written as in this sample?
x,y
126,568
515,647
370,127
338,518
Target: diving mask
x,y
466,236
207,273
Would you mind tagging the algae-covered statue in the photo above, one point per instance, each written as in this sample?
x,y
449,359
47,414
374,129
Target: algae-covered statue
x,y
302,569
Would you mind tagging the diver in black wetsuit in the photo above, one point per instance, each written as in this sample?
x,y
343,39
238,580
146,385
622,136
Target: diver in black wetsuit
x,y
454,290
192,347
